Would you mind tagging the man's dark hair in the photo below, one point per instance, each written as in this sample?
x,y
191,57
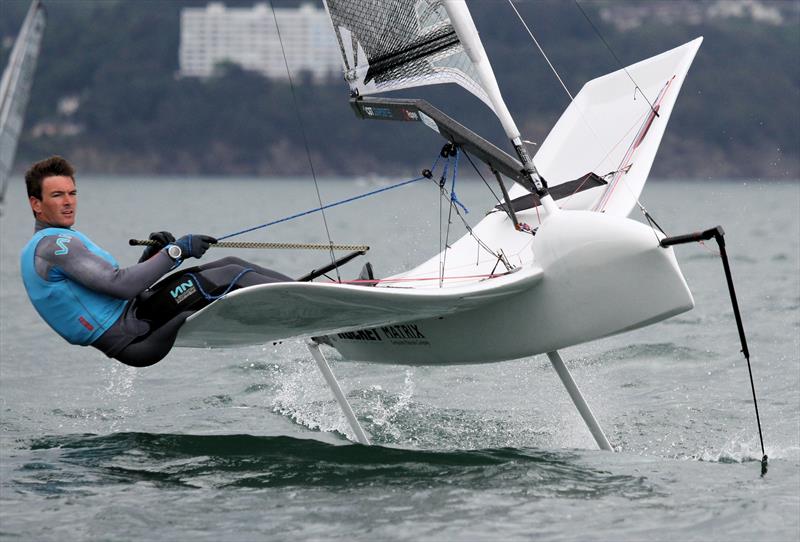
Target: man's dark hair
x,y
55,166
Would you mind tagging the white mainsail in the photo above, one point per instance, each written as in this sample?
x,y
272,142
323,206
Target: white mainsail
x,y
395,44
15,87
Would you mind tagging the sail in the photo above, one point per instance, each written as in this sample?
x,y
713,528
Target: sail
x,y
15,87
614,127
395,44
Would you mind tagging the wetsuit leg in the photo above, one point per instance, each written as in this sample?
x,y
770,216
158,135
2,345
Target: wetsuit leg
x,y
225,274
268,274
155,345
157,305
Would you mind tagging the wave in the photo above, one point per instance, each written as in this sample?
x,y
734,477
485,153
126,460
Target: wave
x,y
745,451
668,350
280,461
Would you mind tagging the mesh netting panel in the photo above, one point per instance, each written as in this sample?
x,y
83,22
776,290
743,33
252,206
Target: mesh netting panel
x,y
393,44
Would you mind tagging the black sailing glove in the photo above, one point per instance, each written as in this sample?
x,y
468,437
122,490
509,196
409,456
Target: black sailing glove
x,y
194,245
162,239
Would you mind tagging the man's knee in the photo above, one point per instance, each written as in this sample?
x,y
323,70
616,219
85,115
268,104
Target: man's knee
x,y
137,358
224,262
155,346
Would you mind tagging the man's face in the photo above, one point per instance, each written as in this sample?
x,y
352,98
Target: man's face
x,y
59,202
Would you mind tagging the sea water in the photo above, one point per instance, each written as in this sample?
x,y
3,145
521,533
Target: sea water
x,y
248,444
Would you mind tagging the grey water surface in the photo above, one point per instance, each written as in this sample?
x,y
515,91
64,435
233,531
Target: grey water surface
x,y
248,444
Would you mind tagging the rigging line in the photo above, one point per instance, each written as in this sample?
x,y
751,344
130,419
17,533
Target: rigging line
x,y
653,222
530,33
617,144
641,206
441,197
232,283
305,138
478,240
541,50
466,264
597,31
443,251
453,196
420,279
481,176
467,227
653,225
453,201
328,206
252,245
627,160
577,189
603,159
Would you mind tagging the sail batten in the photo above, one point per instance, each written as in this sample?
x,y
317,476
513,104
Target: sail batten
x,y
426,48
390,45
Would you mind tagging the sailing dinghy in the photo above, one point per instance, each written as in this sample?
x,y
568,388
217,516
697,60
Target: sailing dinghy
x,y
588,272
558,262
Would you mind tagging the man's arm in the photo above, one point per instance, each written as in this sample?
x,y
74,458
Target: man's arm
x,y
78,263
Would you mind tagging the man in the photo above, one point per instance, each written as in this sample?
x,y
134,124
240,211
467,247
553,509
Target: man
x,y
80,291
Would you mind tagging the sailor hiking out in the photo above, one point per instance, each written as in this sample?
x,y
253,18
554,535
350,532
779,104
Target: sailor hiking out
x,y
80,290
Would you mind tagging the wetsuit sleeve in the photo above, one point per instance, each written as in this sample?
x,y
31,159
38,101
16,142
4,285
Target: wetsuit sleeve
x,y
78,263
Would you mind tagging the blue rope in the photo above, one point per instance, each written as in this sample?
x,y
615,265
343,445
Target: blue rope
x,y
335,204
228,289
453,196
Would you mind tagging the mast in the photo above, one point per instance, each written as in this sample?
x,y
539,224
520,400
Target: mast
x,y
467,33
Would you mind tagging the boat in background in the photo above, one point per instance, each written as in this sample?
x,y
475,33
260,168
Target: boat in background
x,y
15,88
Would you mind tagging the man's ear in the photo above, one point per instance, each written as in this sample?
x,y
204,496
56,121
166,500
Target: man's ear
x,y
36,204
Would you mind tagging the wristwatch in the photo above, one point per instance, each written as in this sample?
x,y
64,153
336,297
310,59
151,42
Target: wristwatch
x,y
174,252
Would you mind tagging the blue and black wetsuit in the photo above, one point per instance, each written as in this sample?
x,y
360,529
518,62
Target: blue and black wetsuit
x,y
82,293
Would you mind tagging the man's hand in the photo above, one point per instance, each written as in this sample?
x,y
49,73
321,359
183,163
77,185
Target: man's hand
x,y
194,245
162,239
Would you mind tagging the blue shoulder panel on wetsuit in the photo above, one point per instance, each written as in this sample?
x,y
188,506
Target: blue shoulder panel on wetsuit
x,y
75,312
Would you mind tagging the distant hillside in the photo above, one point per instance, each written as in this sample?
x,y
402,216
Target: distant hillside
x,y
106,94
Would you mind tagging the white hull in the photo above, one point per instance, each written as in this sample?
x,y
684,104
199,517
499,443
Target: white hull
x,y
585,275
602,275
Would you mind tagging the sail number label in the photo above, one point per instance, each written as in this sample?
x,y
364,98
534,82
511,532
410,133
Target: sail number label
x,y
397,334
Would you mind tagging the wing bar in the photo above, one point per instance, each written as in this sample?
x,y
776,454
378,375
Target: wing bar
x,y
415,110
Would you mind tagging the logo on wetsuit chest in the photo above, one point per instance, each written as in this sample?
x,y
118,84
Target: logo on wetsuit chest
x,y
182,291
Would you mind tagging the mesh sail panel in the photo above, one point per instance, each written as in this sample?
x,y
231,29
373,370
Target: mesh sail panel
x,y
394,44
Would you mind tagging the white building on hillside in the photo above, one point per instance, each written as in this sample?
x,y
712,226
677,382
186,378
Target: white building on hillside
x,y
248,37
